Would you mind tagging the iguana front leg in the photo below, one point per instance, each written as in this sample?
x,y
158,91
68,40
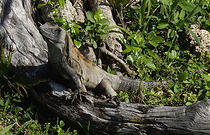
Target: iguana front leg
x,y
69,74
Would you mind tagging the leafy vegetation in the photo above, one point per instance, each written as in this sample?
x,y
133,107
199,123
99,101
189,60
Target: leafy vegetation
x,y
18,118
15,116
8,80
159,49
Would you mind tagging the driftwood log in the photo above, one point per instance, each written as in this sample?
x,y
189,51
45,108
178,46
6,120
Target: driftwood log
x,y
19,32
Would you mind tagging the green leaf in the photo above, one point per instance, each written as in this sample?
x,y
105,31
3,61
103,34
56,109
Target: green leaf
x,y
90,17
182,14
128,49
151,35
61,3
172,55
167,2
195,37
23,127
88,28
207,22
124,96
162,25
41,5
154,55
93,42
62,21
3,57
169,32
6,129
61,123
103,21
103,36
77,43
22,87
182,76
156,40
188,103
176,19
169,44
109,69
155,44
1,102
130,59
188,6
206,77
176,88
98,16
18,109
88,126
151,65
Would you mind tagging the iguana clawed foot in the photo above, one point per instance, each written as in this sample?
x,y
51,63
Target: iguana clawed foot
x,y
116,99
73,96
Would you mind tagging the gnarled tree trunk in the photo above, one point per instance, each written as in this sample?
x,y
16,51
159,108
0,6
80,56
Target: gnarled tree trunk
x,y
19,33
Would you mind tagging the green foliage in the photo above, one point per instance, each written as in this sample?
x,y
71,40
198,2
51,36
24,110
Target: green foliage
x,y
96,27
156,45
16,119
10,80
93,31
86,130
7,79
6,130
61,3
109,70
52,3
116,4
124,96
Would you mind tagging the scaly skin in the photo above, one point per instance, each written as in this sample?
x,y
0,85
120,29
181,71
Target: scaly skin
x,y
70,64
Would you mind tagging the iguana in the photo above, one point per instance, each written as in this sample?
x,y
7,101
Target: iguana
x,y
69,63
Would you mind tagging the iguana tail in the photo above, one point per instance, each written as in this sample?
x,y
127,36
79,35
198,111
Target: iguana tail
x,y
131,84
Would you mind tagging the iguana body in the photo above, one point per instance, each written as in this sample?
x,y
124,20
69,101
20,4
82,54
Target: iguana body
x,y
65,59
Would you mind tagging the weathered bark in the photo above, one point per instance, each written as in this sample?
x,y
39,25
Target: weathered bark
x,y
19,32
69,13
106,117
78,4
112,40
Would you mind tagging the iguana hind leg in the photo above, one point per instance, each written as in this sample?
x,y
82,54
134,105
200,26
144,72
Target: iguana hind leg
x,y
106,85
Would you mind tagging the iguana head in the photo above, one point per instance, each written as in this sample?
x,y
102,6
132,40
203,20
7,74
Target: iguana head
x,y
56,41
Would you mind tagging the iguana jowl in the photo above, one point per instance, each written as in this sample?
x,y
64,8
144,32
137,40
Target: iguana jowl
x,y
65,59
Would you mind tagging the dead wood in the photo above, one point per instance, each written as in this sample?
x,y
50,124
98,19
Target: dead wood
x,y
19,33
106,117
124,65
113,37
